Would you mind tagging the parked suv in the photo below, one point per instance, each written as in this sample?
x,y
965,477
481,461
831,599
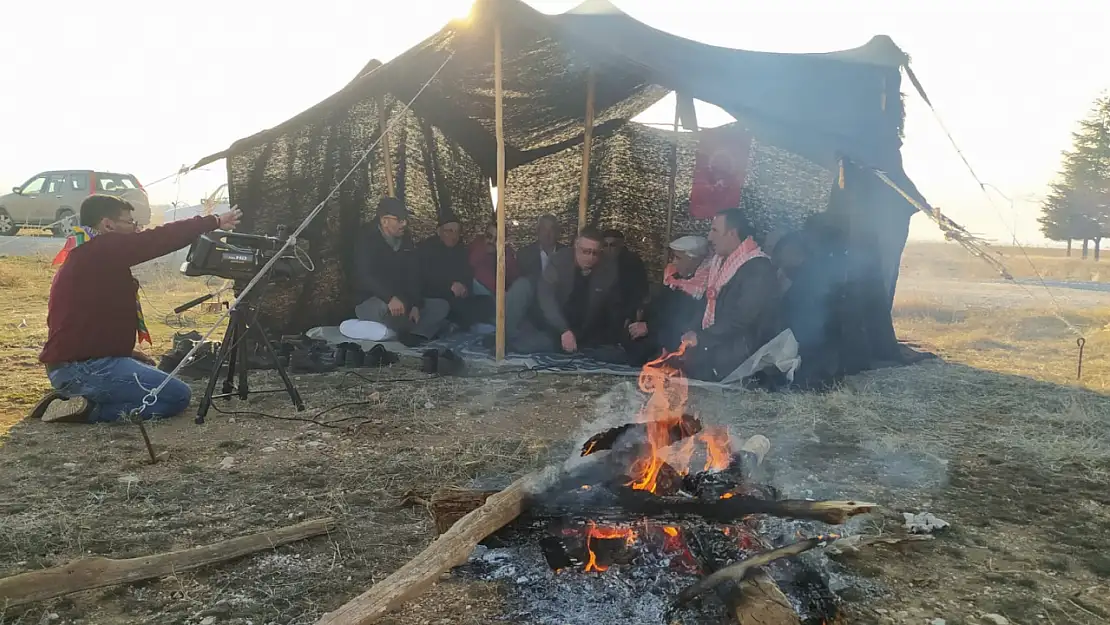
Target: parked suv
x,y
53,198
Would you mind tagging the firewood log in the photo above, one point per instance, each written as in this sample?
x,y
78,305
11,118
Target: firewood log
x,y
90,573
449,550
448,505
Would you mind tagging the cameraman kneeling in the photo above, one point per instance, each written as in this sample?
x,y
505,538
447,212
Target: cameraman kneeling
x,y
94,316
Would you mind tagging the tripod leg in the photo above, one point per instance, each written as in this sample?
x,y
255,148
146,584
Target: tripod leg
x,y
236,330
294,394
244,366
221,356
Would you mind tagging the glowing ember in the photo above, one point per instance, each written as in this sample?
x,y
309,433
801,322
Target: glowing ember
x,y
670,531
605,533
728,495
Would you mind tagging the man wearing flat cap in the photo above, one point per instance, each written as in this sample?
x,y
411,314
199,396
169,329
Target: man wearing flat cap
x,y
387,278
447,275
676,306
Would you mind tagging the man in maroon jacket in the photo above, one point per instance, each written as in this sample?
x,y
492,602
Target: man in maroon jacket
x,y
94,317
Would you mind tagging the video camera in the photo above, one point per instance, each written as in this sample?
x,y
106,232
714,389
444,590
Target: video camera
x,y
236,256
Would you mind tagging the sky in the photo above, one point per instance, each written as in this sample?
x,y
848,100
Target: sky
x,y
145,87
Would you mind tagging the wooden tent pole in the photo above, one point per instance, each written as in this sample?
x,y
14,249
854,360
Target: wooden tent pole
x,y
387,150
587,144
671,191
500,208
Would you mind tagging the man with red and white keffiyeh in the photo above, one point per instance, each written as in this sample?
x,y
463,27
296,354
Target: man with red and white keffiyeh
x,y
742,301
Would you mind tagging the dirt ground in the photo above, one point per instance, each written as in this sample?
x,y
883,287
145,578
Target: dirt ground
x,y
1010,451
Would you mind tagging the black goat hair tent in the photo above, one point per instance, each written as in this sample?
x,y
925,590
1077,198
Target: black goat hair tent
x,y
809,114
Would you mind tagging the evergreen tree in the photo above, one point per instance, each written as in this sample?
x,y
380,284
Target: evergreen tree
x,y
1078,204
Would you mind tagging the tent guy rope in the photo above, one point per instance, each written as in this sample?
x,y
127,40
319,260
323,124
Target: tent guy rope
x,y
152,396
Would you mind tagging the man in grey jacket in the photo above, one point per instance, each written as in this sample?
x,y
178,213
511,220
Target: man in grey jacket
x,y
578,296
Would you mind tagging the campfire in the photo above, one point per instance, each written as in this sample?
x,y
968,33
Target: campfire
x,y
671,504
663,519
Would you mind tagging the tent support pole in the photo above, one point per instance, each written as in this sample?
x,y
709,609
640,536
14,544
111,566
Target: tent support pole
x,y
387,150
500,208
587,144
671,192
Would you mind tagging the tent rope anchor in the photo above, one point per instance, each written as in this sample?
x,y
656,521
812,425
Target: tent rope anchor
x,y
1080,343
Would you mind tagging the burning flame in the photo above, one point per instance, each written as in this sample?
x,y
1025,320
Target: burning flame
x,y
605,533
666,404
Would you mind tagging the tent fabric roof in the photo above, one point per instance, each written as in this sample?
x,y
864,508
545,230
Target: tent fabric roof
x,y
820,106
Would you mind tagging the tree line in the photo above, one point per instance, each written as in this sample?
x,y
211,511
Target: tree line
x,y
1077,207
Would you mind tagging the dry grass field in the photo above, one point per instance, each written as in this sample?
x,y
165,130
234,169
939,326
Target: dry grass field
x,y
998,437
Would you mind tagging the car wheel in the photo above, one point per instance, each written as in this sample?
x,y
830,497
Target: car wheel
x,y
7,224
64,223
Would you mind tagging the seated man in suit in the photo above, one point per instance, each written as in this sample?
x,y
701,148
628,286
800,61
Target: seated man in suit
x,y
535,257
387,278
579,297
742,294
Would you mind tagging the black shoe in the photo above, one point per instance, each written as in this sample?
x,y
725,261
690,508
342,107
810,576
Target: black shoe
x,y
451,363
410,340
429,362
309,361
379,356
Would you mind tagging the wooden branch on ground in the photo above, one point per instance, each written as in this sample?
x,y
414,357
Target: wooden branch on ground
x,y
449,550
90,573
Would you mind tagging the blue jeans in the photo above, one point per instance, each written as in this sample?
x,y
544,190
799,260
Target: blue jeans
x,y
116,386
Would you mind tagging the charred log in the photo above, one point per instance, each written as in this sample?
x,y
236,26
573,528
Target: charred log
x,y
635,435
741,570
633,504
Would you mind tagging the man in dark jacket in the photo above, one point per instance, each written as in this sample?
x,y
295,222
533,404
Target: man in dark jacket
x,y
633,272
535,257
579,296
94,318
447,275
387,278
742,294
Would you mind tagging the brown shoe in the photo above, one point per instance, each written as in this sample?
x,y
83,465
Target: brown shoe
x,y
66,410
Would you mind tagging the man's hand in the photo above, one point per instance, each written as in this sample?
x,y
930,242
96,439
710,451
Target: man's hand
x,y
690,337
396,307
414,315
459,289
570,344
638,330
143,358
230,219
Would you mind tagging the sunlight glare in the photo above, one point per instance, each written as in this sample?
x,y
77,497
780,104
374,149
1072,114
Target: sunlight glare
x,y
459,9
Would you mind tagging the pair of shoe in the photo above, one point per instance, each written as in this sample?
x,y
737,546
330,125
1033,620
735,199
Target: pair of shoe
x,y
443,362
199,365
352,355
53,408
307,355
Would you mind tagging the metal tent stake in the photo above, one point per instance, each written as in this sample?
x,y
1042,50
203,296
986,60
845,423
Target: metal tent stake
x,y
1081,343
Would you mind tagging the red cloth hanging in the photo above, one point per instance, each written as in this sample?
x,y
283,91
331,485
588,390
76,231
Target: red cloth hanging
x,y
720,168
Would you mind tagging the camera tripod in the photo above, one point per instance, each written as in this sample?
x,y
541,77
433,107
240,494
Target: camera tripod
x,y
234,351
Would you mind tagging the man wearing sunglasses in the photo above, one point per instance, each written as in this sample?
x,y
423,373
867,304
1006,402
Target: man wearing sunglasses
x,y
95,317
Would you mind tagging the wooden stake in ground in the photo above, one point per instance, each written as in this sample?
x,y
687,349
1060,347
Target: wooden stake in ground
x,y
498,96
90,573
449,550
587,144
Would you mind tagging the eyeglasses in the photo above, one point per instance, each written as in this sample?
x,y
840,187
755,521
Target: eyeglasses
x,y
129,221
589,251
396,218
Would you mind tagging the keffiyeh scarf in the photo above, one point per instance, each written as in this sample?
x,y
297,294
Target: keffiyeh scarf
x,y
721,271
